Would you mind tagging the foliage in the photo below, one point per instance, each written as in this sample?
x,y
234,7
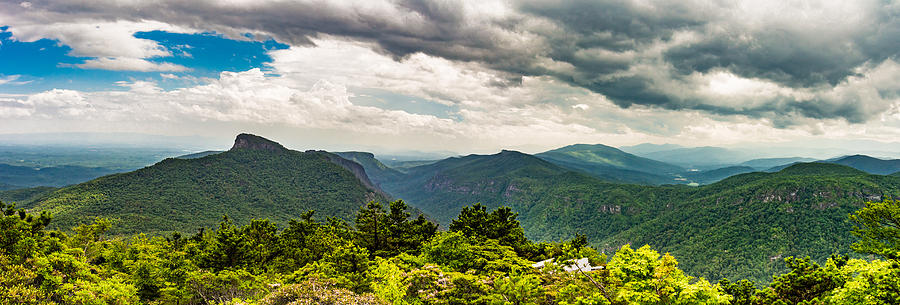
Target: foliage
x,y
806,283
499,224
393,232
878,227
331,262
463,254
318,292
187,194
642,276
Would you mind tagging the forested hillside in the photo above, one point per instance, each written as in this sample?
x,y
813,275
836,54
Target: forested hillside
x,y
742,226
441,189
257,178
736,228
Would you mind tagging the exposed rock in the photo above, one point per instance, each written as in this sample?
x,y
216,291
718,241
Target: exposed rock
x,y
353,167
249,141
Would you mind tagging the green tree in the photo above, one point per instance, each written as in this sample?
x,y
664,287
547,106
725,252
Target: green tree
x,y
20,232
392,232
372,225
642,276
868,283
499,224
878,227
806,283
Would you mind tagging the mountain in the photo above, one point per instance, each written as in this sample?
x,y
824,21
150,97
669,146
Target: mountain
x,y
611,164
714,175
646,148
441,189
743,226
699,157
861,162
766,163
869,164
199,154
783,166
377,171
23,176
256,178
404,166
739,227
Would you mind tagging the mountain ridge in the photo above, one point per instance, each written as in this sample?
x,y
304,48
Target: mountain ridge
x,y
257,179
611,164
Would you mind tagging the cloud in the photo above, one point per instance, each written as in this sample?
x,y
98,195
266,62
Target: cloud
x,y
13,80
107,45
251,99
129,64
59,103
807,60
581,106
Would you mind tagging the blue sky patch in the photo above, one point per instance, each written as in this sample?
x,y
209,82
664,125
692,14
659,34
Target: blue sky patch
x,y
46,64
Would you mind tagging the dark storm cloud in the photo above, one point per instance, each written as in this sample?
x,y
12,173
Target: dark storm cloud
x,y
787,58
625,50
617,25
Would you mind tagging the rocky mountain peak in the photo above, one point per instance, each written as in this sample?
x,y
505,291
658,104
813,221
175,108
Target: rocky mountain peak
x,y
250,141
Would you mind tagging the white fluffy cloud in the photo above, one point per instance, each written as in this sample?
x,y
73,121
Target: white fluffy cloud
x,y
509,72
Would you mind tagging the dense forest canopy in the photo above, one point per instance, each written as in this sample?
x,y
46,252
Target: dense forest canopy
x,y
387,257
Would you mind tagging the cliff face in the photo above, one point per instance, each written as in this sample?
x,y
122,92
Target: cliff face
x,y
354,168
249,141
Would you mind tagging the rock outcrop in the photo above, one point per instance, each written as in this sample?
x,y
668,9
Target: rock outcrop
x,y
249,141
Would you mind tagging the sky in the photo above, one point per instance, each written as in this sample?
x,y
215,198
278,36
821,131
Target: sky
x,y
457,76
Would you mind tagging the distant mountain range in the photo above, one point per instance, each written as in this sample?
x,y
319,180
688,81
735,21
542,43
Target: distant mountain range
x,y
646,148
861,162
714,175
700,157
612,164
767,163
22,176
199,154
869,164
